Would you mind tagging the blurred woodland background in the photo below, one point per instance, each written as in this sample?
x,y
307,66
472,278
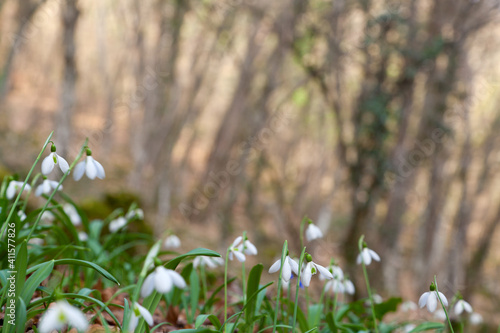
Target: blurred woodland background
x,y
372,117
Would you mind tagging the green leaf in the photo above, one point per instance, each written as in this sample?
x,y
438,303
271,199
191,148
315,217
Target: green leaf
x,y
35,279
21,265
252,288
197,330
194,293
89,264
314,314
428,326
20,315
391,305
203,317
172,264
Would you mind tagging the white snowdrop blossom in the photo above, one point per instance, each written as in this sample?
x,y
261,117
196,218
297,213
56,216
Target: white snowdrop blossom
x,y
82,236
336,271
117,224
440,314
311,269
430,299
135,213
476,318
313,232
162,280
15,186
52,160
409,306
46,187
48,216
248,248
462,306
340,286
172,242
60,314
366,256
72,213
210,262
139,311
234,250
21,214
90,167
408,328
289,266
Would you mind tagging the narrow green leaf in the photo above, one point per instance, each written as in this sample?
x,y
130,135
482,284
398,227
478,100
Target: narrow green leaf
x,y
20,315
35,279
84,263
194,293
172,264
427,326
21,265
203,317
252,289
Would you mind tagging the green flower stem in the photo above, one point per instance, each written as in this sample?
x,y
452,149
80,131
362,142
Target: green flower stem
x,y
203,275
365,273
301,260
442,305
278,294
57,187
225,289
4,226
302,224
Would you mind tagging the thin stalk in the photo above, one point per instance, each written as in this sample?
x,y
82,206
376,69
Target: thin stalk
x,y
365,273
4,226
301,260
302,224
57,188
442,305
283,256
225,288
203,281
243,281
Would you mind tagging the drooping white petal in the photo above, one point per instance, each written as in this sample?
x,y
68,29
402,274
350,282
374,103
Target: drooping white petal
x,y
79,171
50,321
250,249
365,255
145,314
163,282
349,287
48,164
148,285
275,267
100,170
177,279
39,190
240,256
443,298
432,302
236,241
423,299
306,275
11,191
134,321
323,271
374,255
313,232
75,317
286,273
90,168
293,265
63,164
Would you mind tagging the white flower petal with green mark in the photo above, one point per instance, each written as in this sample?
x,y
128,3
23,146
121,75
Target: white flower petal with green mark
x,y
60,314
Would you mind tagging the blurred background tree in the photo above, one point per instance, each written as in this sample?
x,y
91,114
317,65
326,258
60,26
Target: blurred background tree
x,y
370,117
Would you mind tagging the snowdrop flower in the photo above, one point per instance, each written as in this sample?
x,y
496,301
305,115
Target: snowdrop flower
x,y
462,306
59,314
367,255
82,236
162,280
139,311
409,306
440,314
15,186
172,242
430,298
21,214
235,251
475,318
311,269
48,216
210,262
50,161
335,270
247,248
408,328
90,167
36,241
72,213
313,232
46,187
117,224
289,266
135,213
